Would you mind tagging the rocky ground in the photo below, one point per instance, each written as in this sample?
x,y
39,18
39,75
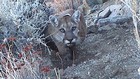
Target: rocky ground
x,y
110,54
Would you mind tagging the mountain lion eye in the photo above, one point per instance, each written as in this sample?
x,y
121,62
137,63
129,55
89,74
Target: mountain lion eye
x,y
62,30
73,28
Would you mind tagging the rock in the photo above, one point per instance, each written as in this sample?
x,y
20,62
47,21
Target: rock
x,y
114,14
94,2
101,1
114,9
92,29
117,20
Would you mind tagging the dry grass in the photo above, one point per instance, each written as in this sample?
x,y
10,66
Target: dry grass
x,y
20,28
21,23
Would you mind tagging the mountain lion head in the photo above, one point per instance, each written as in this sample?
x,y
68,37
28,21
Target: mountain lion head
x,y
68,27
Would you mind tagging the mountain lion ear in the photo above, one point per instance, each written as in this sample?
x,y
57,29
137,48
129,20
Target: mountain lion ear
x,y
76,16
53,20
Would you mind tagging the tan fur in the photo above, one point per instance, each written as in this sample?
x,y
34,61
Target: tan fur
x,y
65,18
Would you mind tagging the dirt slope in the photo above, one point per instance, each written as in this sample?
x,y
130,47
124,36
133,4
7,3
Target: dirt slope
x,y
110,54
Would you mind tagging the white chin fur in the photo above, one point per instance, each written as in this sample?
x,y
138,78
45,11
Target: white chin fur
x,y
66,41
74,40
69,44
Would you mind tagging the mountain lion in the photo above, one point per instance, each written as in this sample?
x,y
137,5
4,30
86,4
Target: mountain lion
x,y
67,29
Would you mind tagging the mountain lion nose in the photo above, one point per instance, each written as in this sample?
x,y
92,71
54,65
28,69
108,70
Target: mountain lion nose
x,y
70,40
